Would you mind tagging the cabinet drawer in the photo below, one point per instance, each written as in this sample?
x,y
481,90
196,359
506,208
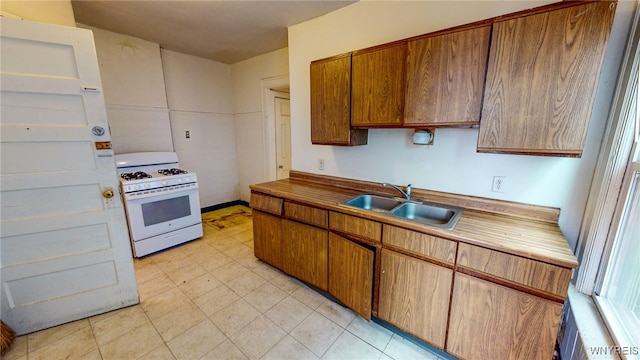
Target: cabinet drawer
x,y
266,203
306,214
535,274
354,225
419,243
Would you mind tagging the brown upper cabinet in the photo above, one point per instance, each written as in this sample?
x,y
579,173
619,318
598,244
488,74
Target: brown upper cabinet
x,y
541,80
529,79
377,86
331,103
445,78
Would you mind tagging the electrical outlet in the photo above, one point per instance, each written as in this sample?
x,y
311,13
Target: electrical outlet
x,y
499,184
320,164
186,134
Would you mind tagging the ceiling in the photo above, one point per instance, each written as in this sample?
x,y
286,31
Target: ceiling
x,y
227,31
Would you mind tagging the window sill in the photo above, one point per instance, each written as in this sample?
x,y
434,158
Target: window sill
x,y
585,334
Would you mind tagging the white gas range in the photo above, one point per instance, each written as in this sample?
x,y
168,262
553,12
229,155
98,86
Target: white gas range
x,y
161,201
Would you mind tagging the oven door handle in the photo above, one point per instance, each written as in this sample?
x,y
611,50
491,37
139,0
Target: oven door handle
x,y
143,194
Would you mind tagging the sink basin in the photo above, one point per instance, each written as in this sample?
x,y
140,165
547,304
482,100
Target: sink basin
x,y
438,215
373,202
442,216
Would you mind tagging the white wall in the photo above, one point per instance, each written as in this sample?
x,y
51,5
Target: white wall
x,y
197,84
251,134
153,96
201,102
134,92
451,164
59,12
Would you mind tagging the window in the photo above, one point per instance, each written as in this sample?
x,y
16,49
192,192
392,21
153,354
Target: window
x,y
610,236
618,293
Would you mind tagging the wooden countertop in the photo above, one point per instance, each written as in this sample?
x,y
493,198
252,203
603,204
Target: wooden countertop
x,y
503,227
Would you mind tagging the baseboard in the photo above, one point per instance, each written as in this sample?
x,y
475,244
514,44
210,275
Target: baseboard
x,y
223,205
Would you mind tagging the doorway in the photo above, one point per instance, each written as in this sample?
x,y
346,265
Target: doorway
x,y
275,99
283,137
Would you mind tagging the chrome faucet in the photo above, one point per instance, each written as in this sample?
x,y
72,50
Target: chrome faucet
x,y
406,194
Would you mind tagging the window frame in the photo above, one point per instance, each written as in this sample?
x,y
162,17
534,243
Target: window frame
x,y
618,320
617,162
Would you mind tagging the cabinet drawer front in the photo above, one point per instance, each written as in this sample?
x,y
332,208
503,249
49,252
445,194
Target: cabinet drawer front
x,y
538,275
419,243
266,203
356,226
306,214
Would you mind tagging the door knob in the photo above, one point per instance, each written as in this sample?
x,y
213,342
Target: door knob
x,y
280,167
108,194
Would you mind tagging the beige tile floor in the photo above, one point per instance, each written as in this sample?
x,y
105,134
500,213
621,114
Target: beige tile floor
x,y
212,299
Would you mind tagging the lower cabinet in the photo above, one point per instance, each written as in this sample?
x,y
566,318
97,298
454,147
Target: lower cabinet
x,y
490,321
471,316
414,296
267,238
351,274
304,253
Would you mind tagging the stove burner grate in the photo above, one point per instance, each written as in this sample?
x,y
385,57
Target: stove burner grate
x,y
135,175
173,171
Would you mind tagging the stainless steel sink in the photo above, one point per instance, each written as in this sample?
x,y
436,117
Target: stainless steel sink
x,y
439,215
373,202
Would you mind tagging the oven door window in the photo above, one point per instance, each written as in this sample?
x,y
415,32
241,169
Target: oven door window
x,y
160,211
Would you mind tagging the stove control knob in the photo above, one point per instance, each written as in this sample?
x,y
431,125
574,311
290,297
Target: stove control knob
x,y
146,186
164,183
137,187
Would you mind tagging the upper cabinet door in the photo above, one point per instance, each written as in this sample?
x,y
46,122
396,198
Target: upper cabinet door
x,y
445,78
331,103
377,94
541,80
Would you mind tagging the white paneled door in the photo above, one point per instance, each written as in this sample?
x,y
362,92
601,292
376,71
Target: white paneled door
x,y
65,251
283,137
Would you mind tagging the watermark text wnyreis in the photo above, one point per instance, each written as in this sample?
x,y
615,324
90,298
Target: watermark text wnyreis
x,y
615,350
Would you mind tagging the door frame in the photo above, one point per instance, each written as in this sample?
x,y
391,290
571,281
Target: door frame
x,y
269,88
